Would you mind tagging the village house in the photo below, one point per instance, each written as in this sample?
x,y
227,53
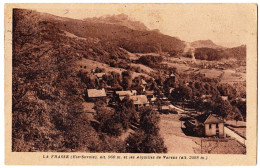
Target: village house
x,y
122,94
170,82
172,77
168,109
164,109
139,101
150,96
96,94
206,125
165,100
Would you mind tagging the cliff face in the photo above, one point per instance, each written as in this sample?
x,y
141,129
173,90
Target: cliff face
x,y
121,19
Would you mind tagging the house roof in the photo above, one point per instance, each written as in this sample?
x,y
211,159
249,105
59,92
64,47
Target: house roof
x,y
96,92
172,74
139,99
207,118
126,92
224,98
153,99
182,118
149,92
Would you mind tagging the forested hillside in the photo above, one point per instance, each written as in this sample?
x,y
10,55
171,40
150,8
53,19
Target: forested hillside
x,y
47,93
211,54
48,90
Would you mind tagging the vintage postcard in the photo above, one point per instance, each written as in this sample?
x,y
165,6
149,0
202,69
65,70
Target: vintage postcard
x,y
130,84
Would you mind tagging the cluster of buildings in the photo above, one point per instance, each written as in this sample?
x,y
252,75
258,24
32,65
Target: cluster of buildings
x,y
199,125
110,96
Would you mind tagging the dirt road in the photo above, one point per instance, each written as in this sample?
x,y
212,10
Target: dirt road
x,y
175,140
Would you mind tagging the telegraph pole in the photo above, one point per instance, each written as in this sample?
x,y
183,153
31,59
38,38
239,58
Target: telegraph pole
x,y
201,146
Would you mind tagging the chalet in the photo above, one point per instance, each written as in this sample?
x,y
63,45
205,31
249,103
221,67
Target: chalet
x,y
164,109
206,125
140,101
165,100
150,96
172,77
153,100
122,94
96,94
168,109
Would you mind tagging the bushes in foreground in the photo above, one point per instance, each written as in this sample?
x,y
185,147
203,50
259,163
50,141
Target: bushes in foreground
x,y
146,139
140,142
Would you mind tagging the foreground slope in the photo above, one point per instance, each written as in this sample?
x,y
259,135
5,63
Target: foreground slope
x,y
47,93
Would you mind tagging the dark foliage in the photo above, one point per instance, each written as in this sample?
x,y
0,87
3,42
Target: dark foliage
x,y
211,54
151,61
140,142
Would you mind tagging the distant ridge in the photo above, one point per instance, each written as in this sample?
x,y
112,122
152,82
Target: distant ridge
x,y
120,19
205,44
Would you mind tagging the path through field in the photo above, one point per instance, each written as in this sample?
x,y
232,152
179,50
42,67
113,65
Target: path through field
x,y
175,140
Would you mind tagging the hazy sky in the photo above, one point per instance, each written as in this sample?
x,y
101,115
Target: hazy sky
x,y
227,25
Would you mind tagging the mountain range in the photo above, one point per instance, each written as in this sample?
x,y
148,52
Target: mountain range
x,y
121,19
119,31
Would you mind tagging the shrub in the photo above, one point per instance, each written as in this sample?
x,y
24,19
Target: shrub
x,y
151,61
149,121
140,142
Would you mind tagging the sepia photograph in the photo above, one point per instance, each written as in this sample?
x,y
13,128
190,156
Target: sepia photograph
x,y
131,78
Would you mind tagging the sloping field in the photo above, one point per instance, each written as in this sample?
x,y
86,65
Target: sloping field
x,y
211,73
175,140
143,67
180,67
88,65
230,76
132,56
